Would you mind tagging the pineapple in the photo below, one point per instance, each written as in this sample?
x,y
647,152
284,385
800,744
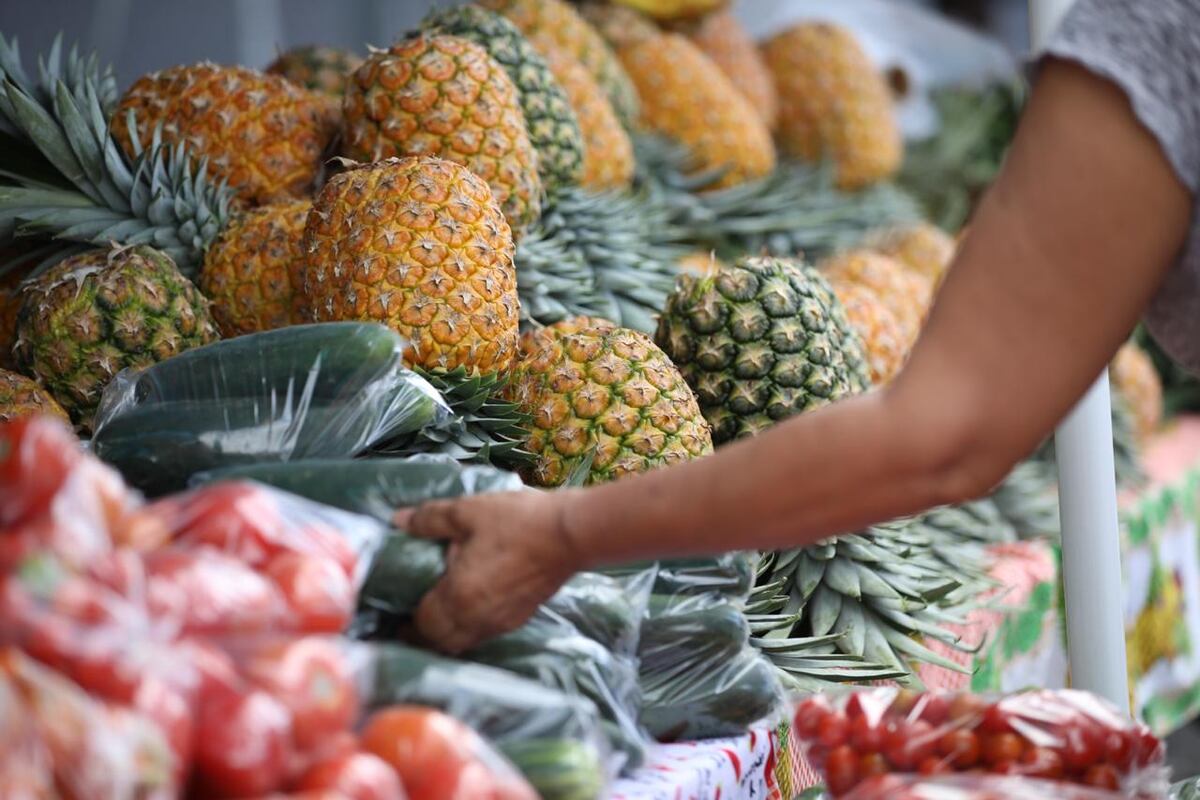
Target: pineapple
x,y
433,95
686,97
262,134
721,37
608,161
906,294
675,9
10,304
319,69
923,248
834,103
96,313
701,263
594,389
1139,386
882,335
620,26
246,271
551,121
418,244
554,26
759,342
21,397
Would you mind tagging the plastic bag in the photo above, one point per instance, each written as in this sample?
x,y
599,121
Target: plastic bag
x,y
973,787
310,391
1062,735
729,575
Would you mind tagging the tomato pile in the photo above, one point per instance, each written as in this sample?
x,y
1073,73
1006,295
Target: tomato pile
x,y
976,787
183,647
1065,736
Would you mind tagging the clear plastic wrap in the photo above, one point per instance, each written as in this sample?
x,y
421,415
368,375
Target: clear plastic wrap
x,y
311,391
1066,736
975,787
729,575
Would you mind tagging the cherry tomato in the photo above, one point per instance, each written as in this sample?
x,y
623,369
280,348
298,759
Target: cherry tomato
x,y
903,703
910,744
108,670
934,708
933,765
1082,745
818,755
995,720
209,592
240,519
1103,776
355,775
243,744
833,729
841,770
809,713
36,455
168,708
1119,747
960,747
1149,748
313,679
865,737
871,764
998,748
966,708
427,748
316,589
205,669
1041,762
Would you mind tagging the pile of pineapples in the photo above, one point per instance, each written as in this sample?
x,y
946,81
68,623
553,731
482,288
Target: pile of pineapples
x,y
589,220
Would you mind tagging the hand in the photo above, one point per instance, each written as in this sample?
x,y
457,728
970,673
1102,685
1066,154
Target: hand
x,y
507,554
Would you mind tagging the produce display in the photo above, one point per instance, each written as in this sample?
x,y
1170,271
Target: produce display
x,y
247,315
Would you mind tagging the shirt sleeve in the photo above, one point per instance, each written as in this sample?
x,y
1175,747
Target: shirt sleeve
x,y
1151,49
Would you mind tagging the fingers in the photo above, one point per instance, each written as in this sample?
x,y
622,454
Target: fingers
x,y
436,519
438,623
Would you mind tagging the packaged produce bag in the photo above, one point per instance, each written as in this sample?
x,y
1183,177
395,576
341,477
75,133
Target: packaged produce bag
x,y
1066,736
332,390
974,787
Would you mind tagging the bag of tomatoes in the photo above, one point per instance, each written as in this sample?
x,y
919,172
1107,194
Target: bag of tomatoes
x,y
1065,736
976,787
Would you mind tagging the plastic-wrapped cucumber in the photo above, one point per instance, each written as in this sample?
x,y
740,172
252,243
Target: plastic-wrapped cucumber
x,y
715,630
729,574
558,768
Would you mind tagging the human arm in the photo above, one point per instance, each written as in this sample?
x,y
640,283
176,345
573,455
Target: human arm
x,y
1064,253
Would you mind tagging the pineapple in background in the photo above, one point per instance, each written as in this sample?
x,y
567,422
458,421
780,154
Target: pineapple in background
x,y
10,304
96,313
554,26
1139,386
881,333
721,37
608,161
549,117
246,271
924,248
834,103
759,342
701,263
260,133
903,292
592,388
675,9
432,95
319,69
419,244
21,397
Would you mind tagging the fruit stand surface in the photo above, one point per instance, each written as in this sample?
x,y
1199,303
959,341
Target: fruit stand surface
x,y
1019,632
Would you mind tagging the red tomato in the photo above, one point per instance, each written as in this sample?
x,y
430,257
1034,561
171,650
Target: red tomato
x,y
107,669
122,572
999,748
87,602
903,702
313,679
1103,776
871,764
243,744
1149,748
357,776
52,640
323,540
833,729
841,770
317,591
1082,745
209,592
995,720
910,744
966,708
1119,747
933,765
36,455
1041,762
960,747
865,737
168,708
934,709
427,748
240,519
205,669
809,713
817,755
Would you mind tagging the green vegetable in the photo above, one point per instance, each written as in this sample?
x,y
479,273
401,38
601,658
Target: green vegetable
x,y
557,768
730,574
711,631
718,698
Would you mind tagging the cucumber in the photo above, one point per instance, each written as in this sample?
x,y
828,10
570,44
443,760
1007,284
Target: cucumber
x,y
730,575
600,608
558,769
722,699
375,487
330,360
674,635
401,572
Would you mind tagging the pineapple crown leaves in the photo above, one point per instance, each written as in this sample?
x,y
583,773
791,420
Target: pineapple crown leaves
x,y
78,74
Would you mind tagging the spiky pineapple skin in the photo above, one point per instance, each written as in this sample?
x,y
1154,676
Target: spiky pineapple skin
x,y
261,133
22,397
553,25
721,37
443,96
686,97
759,342
10,305
924,248
549,117
316,68
1137,381
608,160
247,270
421,245
96,313
675,9
834,103
903,292
881,333
590,386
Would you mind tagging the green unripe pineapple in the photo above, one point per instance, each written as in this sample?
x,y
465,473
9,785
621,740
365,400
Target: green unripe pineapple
x,y
100,311
760,341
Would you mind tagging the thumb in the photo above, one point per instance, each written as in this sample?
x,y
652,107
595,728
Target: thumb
x,y
436,519
437,622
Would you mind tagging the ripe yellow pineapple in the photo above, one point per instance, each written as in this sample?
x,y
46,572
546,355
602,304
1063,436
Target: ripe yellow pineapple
x,y
418,244
675,9
834,103
620,26
246,272
906,294
590,386
1139,385
261,133
922,247
20,397
686,97
723,39
608,161
434,95
700,263
884,342
319,69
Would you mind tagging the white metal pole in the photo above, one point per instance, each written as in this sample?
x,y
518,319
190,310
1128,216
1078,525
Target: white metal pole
x,y
1091,545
